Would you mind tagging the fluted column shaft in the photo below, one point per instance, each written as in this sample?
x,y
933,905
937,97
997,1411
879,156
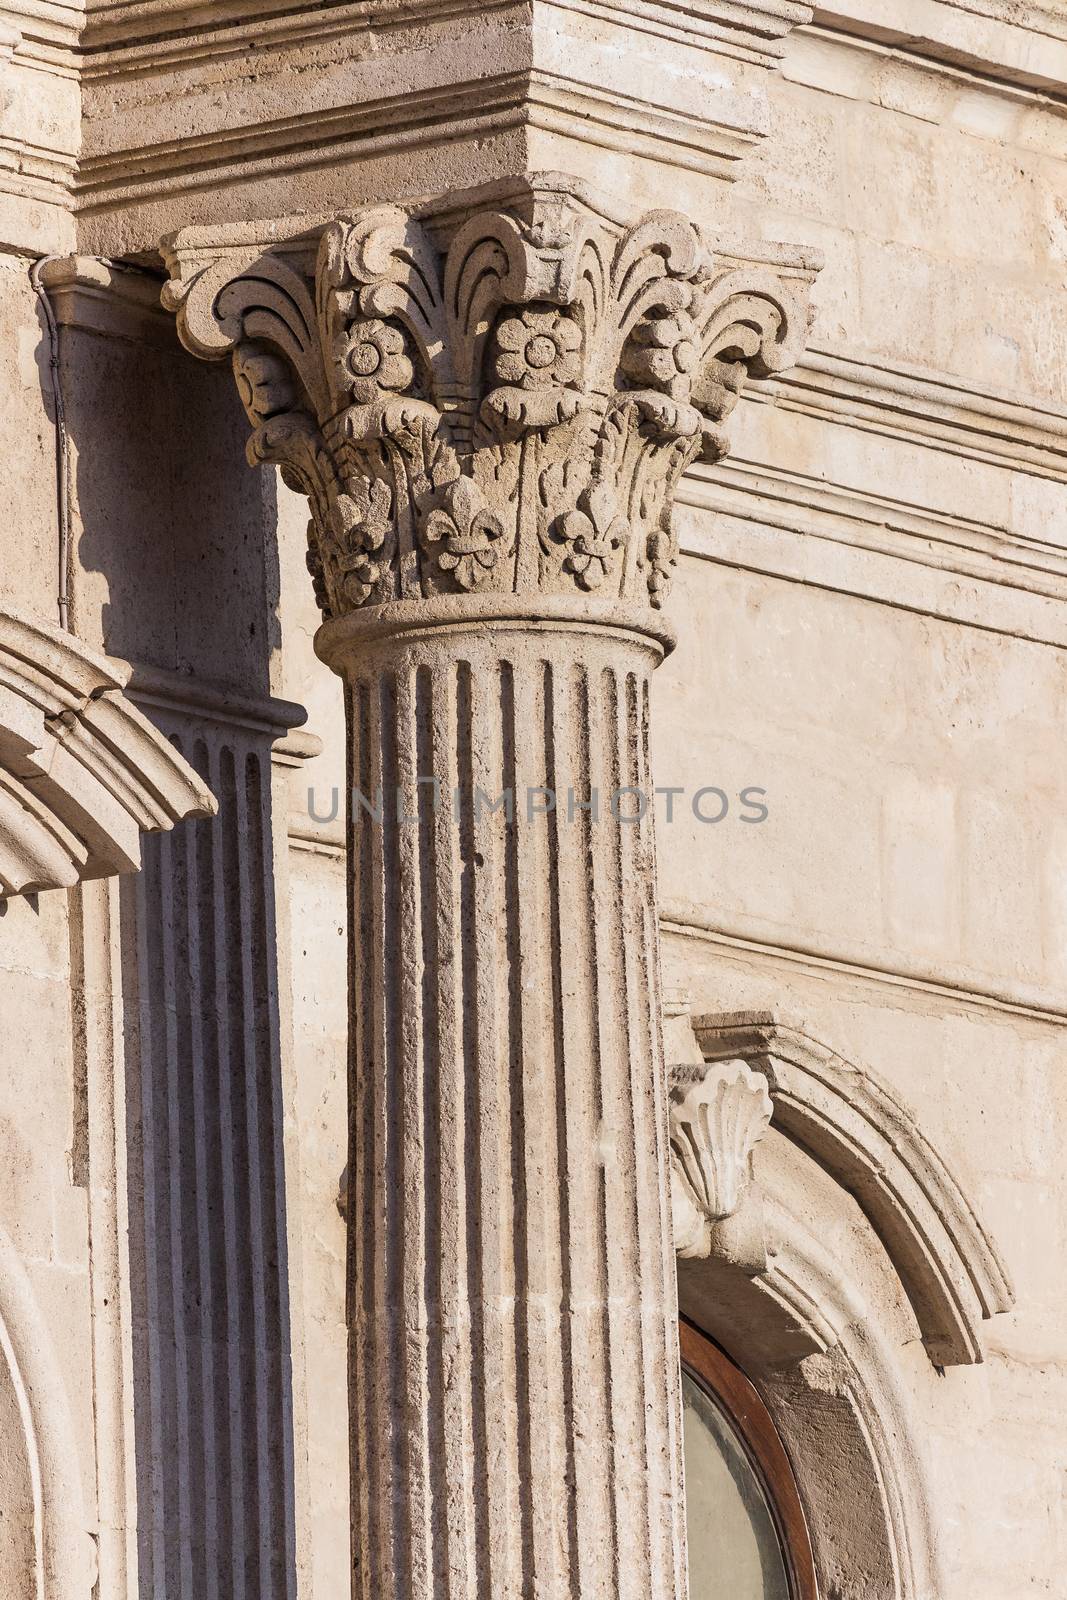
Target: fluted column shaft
x,y
515,1419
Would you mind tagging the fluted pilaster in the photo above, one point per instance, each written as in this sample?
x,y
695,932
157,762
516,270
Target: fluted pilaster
x,y
211,1361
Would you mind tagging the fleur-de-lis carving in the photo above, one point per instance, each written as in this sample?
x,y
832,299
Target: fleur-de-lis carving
x,y
367,540
592,534
470,536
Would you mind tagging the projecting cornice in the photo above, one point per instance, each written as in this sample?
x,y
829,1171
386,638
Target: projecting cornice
x,y
130,37
326,99
496,391
82,773
1011,43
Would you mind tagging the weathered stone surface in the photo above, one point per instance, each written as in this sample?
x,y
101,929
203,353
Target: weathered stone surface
x,y
869,603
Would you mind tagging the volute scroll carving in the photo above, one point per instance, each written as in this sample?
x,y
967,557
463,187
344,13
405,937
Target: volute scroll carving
x,y
494,394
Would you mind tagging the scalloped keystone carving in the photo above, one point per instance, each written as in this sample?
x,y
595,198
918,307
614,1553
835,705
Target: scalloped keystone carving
x,y
82,773
495,391
718,1114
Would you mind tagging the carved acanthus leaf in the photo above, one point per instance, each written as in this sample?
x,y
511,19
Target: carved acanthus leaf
x,y
500,402
718,1114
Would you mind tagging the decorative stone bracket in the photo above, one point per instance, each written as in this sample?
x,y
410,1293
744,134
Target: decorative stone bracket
x,y
494,392
82,772
719,1111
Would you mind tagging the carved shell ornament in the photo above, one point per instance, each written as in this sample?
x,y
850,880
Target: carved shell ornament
x,y
718,1114
506,404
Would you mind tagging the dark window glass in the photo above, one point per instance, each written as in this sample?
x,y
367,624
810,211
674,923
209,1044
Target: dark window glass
x,y
747,1537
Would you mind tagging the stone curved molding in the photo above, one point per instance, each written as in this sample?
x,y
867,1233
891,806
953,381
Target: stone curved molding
x,y
496,391
82,772
718,1114
46,1550
830,1377
870,1142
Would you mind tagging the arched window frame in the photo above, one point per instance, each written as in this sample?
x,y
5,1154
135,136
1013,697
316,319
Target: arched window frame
x,y
740,1401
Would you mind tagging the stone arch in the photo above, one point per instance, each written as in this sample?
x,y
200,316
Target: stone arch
x,y
824,1243
802,1331
853,1124
82,773
46,1551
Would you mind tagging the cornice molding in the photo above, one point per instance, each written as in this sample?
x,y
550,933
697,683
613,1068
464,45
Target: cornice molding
x,y
47,30
894,544
493,393
765,944
148,36
589,113
108,298
82,772
200,700
799,528
926,407
1006,42
518,92
180,46
816,506
36,172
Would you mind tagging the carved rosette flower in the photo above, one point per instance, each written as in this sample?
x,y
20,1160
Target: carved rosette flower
x,y
373,360
538,349
470,536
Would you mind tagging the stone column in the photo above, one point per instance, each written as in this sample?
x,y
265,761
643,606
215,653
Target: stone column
x,y
489,400
512,1302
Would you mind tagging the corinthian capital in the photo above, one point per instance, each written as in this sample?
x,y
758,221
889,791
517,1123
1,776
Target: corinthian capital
x,y
496,391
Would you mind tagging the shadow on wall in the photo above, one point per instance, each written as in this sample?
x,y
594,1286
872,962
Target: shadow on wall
x,y
174,560
175,568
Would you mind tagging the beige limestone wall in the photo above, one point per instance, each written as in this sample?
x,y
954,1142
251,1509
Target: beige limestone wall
x,y
870,614
30,572
46,1371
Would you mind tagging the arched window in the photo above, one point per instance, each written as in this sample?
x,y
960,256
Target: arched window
x,y
747,1536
